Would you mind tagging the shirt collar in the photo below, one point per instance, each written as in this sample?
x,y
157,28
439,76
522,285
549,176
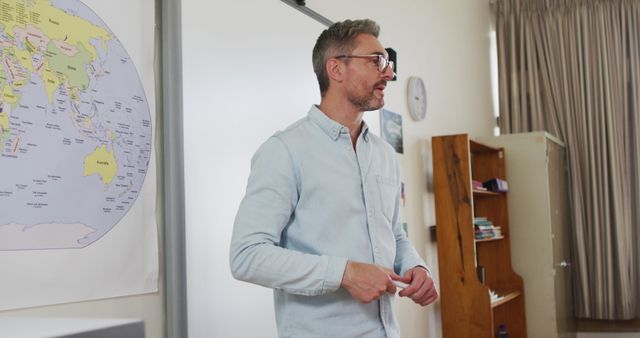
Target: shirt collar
x,y
332,128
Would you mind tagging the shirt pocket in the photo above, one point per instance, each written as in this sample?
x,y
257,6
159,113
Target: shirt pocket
x,y
387,194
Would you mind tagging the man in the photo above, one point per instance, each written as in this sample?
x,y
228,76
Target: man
x,y
319,222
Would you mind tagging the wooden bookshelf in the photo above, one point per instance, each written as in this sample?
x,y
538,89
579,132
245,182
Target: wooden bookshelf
x,y
467,310
507,298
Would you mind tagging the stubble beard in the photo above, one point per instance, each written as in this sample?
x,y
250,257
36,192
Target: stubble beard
x,y
367,102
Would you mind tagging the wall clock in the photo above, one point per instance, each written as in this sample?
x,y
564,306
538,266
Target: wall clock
x,y
417,98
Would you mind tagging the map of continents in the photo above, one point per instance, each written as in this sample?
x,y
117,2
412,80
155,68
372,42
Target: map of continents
x,y
75,128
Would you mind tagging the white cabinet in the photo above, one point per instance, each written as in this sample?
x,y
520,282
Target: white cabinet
x,y
539,222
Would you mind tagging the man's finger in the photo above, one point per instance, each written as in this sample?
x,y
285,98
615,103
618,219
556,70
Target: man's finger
x,y
414,287
432,298
391,286
392,274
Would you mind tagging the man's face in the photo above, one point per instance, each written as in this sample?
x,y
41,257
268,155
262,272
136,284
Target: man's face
x,y
365,83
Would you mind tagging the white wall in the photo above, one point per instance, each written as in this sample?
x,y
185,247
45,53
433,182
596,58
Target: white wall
x,y
247,73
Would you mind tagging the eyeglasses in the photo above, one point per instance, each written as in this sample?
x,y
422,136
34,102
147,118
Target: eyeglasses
x,y
381,61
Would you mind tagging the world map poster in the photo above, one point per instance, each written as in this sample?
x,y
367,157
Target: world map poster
x,y
77,156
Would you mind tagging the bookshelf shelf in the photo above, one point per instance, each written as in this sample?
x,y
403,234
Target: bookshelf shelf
x,y
489,239
467,310
507,298
485,193
477,147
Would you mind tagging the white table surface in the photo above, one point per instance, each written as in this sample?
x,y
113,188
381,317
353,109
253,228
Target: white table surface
x,y
45,327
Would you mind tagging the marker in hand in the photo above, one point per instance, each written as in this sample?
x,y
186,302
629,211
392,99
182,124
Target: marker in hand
x,y
400,285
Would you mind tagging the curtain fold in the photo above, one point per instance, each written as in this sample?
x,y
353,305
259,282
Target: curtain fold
x,y
572,68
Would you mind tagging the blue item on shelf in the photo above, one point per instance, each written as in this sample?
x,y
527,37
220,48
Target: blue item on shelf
x,y
502,331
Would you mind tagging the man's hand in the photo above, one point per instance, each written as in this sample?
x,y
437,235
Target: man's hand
x,y
421,288
368,282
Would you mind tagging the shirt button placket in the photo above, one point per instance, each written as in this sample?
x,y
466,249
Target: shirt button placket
x,y
383,313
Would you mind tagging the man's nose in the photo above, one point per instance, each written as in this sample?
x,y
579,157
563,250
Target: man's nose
x,y
388,74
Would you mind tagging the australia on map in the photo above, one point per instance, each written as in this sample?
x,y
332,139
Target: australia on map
x,y
75,126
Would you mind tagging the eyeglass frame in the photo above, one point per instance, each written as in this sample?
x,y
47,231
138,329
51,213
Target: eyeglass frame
x,y
382,60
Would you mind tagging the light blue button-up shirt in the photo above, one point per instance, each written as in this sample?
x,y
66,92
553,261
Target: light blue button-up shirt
x,y
312,203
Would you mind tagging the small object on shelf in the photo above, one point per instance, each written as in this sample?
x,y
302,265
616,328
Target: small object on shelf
x,y
496,184
502,331
477,185
480,269
494,297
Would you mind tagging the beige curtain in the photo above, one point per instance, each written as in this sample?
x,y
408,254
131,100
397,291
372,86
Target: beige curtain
x,y
572,67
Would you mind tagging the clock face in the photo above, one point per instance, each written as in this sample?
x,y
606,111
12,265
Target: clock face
x,y
417,98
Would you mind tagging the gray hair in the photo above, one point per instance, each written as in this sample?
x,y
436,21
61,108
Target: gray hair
x,y
338,40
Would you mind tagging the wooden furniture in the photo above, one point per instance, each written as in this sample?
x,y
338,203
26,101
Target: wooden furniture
x,y
467,311
540,220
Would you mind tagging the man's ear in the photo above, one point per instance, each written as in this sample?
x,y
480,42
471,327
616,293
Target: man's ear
x,y
335,70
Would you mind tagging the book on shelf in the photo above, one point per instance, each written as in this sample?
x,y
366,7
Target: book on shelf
x,y
496,185
484,229
497,231
485,234
477,185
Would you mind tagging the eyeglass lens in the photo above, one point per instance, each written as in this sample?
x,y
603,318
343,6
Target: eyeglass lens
x,y
383,63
